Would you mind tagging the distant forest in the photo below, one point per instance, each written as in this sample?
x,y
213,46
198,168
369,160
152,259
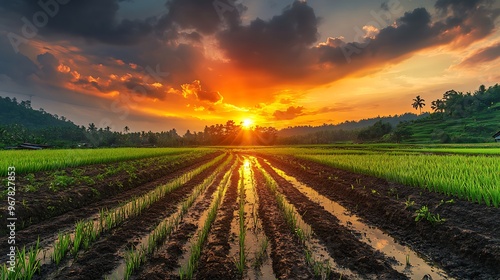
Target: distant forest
x,y
19,123
456,118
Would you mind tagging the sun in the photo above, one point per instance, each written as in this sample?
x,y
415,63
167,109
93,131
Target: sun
x,y
247,123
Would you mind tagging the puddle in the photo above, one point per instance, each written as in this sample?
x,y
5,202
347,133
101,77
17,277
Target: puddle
x,y
319,253
258,261
200,220
373,236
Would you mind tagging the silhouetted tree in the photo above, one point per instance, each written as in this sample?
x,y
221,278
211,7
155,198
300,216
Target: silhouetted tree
x,y
418,103
437,105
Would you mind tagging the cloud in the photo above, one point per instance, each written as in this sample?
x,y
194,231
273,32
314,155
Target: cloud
x,y
328,109
50,65
194,89
483,55
94,20
290,113
462,23
204,16
473,18
279,46
18,67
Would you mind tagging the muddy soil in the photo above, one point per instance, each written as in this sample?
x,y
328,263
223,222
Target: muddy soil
x,y
341,243
164,264
103,256
44,203
287,253
466,245
47,229
214,261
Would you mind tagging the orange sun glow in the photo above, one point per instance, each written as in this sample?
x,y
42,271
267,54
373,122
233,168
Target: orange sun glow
x,y
247,123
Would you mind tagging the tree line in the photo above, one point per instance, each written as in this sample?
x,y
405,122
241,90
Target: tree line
x,y
19,123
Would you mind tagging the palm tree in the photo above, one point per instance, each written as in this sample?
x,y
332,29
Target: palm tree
x,y
126,129
92,127
437,105
418,103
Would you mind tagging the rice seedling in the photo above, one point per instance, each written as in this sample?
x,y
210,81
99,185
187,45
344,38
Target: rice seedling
x,y
135,258
86,232
476,179
320,269
240,264
45,160
187,271
61,247
425,213
26,267
260,255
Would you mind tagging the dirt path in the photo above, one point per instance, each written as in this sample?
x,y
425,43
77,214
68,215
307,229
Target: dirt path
x,y
466,245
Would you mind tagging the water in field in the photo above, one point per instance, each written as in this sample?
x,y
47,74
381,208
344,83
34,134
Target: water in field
x,y
373,236
200,219
258,261
319,253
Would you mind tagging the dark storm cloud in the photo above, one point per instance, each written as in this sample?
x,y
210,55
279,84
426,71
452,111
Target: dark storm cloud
x,y
483,55
49,65
205,16
414,31
281,44
463,22
282,47
16,66
91,19
474,17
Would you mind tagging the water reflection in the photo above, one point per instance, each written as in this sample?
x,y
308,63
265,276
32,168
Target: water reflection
x,y
370,235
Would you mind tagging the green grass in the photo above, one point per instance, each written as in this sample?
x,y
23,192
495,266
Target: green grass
x,y
475,178
45,160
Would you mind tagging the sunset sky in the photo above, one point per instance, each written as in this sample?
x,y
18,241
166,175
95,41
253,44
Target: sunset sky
x,y
157,65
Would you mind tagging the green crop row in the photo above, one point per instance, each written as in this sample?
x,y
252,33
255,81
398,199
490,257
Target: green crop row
x,y
475,178
320,269
88,231
136,257
240,263
187,271
45,160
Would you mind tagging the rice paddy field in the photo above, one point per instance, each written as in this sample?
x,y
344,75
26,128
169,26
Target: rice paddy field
x,y
295,212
